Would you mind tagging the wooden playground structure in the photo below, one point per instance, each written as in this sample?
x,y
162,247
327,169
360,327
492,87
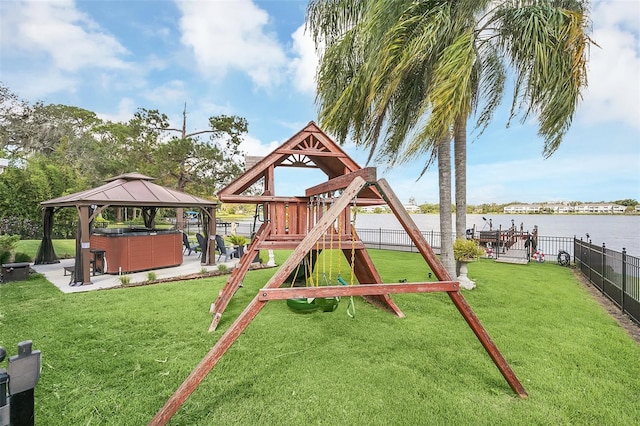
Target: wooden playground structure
x,y
299,223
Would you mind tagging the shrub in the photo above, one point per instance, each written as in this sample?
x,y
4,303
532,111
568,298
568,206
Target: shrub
x,y
100,223
8,242
22,257
466,250
23,227
238,240
5,256
222,268
125,279
151,276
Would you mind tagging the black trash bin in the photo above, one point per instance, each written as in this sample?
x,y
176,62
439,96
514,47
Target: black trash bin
x,y
15,272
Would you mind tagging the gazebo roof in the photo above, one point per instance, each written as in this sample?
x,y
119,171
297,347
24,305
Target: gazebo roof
x,y
130,189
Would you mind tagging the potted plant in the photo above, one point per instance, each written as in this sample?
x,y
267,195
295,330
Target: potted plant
x,y
238,242
465,251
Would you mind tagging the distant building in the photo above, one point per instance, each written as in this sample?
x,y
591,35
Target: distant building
x,y
558,208
522,208
600,208
373,209
4,163
411,208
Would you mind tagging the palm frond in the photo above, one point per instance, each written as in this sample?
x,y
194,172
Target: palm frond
x,y
547,47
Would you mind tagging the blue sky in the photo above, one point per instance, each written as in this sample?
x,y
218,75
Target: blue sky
x,y
253,59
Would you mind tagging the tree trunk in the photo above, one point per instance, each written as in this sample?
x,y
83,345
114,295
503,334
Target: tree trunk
x,y
460,161
446,226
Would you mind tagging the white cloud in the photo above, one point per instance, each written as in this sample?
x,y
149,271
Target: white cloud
x,y
126,109
305,62
171,92
33,84
64,35
614,67
227,35
254,147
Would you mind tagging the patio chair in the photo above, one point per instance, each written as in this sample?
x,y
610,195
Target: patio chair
x,y
188,246
223,249
202,243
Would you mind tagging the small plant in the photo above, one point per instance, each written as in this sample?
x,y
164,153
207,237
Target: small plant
x,y
203,271
222,268
151,276
8,244
238,240
125,279
466,250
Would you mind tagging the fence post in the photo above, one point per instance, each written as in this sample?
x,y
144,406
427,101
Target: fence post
x,y
591,264
4,381
604,264
624,277
379,238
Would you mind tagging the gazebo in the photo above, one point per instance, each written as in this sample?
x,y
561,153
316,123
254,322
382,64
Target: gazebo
x,y
126,190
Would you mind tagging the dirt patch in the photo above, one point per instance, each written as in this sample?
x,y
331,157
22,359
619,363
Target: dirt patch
x,y
625,322
197,275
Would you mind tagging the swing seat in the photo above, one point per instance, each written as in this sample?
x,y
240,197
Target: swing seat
x,y
302,305
327,304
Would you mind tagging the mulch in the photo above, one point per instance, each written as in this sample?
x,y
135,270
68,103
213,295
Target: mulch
x,y
625,322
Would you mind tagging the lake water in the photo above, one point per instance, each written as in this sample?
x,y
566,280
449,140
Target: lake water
x,y
616,231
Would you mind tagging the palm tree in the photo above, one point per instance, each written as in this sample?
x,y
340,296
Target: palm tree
x,y
403,77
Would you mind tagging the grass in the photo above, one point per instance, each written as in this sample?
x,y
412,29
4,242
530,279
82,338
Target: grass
x,y
64,248
114,357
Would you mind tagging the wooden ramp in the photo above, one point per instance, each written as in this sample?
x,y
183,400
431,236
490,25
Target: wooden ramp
x,y
516,254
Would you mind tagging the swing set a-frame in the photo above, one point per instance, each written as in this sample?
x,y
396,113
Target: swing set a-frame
x,y
299,223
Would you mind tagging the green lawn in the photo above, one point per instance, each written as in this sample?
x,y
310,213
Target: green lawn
x,y
64,248
114,357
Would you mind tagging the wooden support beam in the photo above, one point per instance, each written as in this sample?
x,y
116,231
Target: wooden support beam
x,y
256,199
491,348
190,384
368,174
293,244
441,272
266,294
310,152
235,279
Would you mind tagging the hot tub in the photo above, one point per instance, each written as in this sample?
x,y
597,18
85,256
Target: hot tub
x,y
138,249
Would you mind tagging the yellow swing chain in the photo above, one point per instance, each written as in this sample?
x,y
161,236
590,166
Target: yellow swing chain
x,y
351,309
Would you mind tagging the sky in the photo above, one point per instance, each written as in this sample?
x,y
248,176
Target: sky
x,y
254,59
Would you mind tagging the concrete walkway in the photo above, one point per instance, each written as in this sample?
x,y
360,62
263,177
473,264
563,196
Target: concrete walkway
x,y
55,274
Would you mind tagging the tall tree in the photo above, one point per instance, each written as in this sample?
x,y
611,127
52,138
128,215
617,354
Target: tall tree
x,y
401,77
184,159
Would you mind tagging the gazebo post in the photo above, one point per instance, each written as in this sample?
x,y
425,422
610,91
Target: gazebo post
x,y
84,245
209,257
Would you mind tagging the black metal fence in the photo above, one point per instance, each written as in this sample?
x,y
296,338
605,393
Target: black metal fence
x,y
398,239
614,273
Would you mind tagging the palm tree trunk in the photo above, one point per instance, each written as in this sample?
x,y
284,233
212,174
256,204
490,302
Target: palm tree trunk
x,y
460,161
446,226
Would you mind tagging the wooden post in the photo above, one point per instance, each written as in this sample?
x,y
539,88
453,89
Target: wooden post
x,y
84,245
441,272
